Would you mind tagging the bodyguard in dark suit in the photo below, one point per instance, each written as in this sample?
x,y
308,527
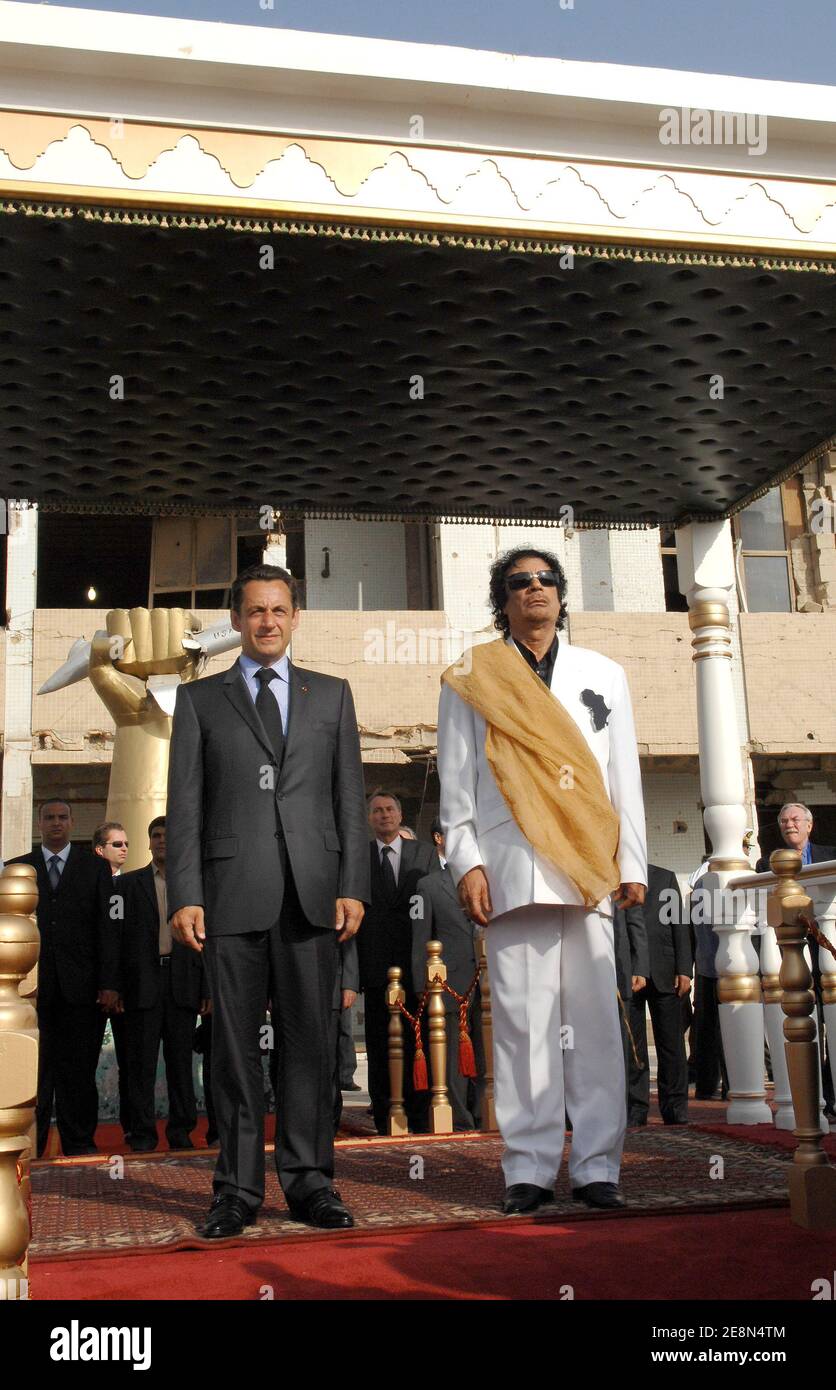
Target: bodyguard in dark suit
x,y
395,866
669,978
162,993
442,918
267,870
77,978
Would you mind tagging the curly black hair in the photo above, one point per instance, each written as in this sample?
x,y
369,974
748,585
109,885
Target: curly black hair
x,y
499,593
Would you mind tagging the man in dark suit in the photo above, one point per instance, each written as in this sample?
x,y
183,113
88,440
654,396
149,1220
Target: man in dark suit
x,y
267,871
162,993
395,866
110,843
671,969
77,978
795,822
440,917
632,966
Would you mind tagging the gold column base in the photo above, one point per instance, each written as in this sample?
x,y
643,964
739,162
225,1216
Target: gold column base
x,y
739,989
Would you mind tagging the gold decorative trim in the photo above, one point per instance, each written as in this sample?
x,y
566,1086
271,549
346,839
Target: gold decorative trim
x,y
739,989
348,164
771,989
708,613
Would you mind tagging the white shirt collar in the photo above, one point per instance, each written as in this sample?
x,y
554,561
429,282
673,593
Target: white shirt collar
x,y
63,854
395,846
250,666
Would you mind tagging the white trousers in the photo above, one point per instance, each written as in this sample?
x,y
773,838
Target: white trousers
x,y
557,1044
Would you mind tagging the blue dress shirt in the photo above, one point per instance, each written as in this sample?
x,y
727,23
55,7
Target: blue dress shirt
x,y
280,688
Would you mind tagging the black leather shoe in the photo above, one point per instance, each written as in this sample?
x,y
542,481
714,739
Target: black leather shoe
x,y
179,1141
675,1120
324,1209
524,1196
351,1086
599,1194
636,1118
228,1215
142,1146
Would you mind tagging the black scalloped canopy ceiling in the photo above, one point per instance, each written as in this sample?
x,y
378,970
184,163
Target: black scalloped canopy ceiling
x,y
296,387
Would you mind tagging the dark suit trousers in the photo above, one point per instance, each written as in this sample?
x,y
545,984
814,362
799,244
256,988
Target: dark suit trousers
x,y
707,1039
169,1023
672,1063
295,966
69,1045
346,1051
466,1093
416,1103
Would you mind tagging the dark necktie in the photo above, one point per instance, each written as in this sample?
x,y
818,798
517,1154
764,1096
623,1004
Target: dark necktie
x,y
54,872
269,712
388,872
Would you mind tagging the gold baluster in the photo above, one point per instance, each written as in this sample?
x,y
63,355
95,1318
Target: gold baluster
x,y
441,1111
395,995
812,1180
28,990
488,1108
19,947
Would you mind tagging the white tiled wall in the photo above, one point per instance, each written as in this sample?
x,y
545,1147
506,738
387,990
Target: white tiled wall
x,y
364,555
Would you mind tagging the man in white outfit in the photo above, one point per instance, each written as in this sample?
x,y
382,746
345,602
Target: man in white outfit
x,y
557,1038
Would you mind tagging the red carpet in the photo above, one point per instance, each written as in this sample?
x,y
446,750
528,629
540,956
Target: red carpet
x,y
730,1255
765,1134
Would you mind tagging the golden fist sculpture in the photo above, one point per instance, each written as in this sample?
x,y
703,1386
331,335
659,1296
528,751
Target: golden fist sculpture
x,y
136,669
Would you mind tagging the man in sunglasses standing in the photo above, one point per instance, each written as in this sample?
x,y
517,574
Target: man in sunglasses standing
x,y
541,802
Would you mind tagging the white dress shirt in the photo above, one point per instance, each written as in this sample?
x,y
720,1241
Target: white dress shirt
x,y
394,858
63,855
279,689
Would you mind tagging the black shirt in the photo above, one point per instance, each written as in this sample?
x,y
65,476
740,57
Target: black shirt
x,y
544,668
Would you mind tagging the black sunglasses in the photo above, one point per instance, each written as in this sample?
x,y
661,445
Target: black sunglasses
x,y
522,580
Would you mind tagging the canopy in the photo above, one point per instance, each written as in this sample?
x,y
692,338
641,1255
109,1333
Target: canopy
x,y
153,361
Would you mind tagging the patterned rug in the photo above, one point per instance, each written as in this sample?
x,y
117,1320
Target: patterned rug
x,y
117,1206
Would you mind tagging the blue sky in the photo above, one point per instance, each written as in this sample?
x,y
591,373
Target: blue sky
x,y
790,39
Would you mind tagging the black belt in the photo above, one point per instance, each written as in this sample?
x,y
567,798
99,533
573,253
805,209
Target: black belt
x,y
165,960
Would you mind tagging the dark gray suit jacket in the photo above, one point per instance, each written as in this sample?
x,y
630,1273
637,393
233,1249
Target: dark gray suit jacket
x,y
140,971
227,799
385,938
630,945
443,919
669,942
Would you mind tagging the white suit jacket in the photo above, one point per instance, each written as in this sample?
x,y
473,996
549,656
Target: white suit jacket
x,y
478,825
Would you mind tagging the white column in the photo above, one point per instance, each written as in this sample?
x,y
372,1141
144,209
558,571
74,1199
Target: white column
x,y
706,576
21,581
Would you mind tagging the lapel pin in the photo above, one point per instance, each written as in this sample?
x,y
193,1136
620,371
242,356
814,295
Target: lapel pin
x,y
304,690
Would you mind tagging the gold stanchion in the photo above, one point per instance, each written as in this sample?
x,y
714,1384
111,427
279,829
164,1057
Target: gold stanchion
x,y
812,1179
441,1111
19,947
488,1109
395,996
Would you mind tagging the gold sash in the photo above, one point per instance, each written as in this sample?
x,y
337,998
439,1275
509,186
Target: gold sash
x,y
544,768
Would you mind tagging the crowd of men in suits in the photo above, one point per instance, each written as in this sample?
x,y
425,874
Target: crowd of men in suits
x,y
107,952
